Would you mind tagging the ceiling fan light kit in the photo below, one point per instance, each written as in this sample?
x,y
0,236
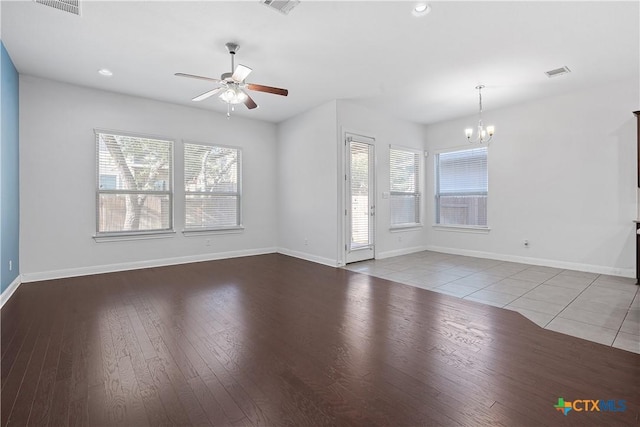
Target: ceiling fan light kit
x,y
483,134
232,85
233,95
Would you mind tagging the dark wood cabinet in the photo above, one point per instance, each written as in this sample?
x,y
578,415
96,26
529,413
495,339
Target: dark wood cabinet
x,y
637,253
637,113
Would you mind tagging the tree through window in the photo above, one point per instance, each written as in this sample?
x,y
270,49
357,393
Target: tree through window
x,y
212,187
134,184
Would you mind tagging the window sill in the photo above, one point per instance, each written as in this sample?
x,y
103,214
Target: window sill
x,y
120,237
462,228
204,232
402,228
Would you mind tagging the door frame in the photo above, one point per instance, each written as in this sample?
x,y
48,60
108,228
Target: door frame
x,y
348,135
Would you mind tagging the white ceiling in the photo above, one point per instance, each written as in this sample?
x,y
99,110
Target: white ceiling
x,y
374,53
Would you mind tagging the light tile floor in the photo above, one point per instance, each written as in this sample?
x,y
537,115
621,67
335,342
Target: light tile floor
x,y
595,307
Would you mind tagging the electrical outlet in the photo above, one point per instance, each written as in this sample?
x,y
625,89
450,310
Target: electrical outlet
x,y
207,242
10,265
306,242
525,242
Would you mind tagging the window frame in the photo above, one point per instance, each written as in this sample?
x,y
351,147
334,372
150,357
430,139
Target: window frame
x,y
437,194
417,194
239,227
134,234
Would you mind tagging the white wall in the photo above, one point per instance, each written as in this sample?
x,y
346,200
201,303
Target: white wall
x,y
57,179
562,174
307,181
387,131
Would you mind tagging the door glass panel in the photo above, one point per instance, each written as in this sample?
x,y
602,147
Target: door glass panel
x,y
360,215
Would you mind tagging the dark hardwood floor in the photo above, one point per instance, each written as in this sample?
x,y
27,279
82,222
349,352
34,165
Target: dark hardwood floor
x,y
272,340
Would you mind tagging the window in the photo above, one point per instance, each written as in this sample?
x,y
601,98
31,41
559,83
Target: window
x,y
462,187
212,187
404,168
108,182
134,184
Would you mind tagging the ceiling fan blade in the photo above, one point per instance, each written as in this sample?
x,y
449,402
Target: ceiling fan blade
x,y
268,89
241,73
250,103
207,94
192,76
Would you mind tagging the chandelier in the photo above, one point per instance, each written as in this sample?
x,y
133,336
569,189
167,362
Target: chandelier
x,y
483,134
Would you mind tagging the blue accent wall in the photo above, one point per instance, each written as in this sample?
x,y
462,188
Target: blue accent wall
x,y
9,177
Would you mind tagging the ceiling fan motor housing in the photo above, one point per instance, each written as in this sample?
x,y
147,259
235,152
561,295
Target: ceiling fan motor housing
x,y
232,47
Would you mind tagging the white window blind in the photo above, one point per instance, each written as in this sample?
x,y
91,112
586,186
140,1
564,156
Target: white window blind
x,y
212,187
361,156
405,187
134,193
462,187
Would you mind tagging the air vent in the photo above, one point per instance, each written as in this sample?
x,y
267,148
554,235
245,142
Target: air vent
x,y
282,6
558,72
70,6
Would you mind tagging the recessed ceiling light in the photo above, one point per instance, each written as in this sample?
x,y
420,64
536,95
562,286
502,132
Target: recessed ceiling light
x,y
105,72
421,9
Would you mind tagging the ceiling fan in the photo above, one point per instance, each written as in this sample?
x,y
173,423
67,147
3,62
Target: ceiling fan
x,y
232,85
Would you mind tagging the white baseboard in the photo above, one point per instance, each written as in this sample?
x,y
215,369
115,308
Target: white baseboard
x,y
308,257
600,269
398,252
110,268
10,290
